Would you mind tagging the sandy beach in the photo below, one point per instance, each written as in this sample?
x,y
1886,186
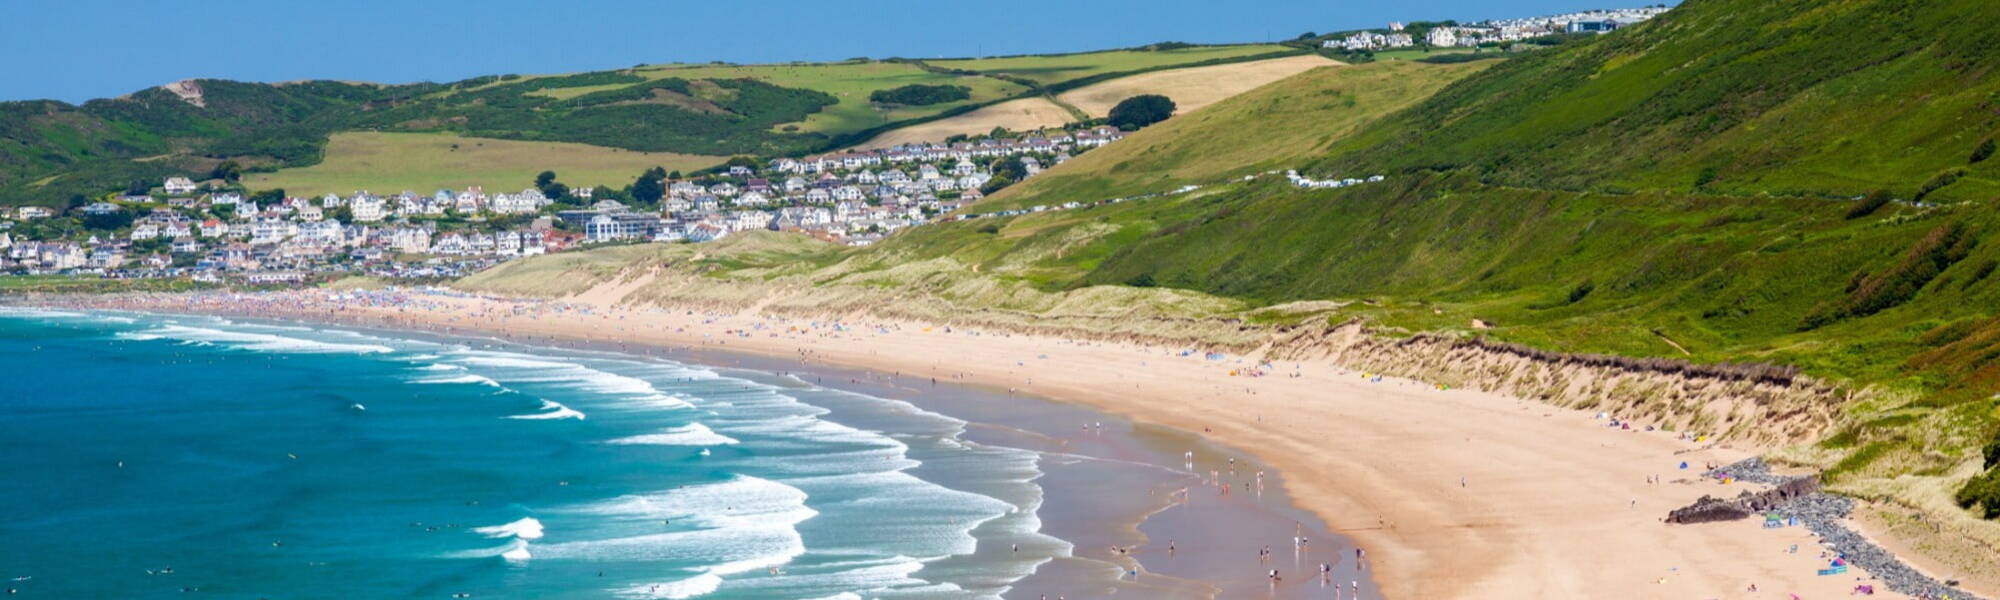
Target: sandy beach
x,y
1453,493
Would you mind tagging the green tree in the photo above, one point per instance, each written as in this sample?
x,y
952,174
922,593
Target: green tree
x,y
138,186
647,190
1010,167
268,196
546,182
108,221
227,170
1139,111
997,183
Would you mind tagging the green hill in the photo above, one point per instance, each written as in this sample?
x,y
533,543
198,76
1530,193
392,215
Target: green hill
x,y
1688,188
1685,189
52,150
1789,97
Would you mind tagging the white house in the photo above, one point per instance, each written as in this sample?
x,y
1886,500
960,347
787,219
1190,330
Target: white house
x,y
1441,37
178,186
369,209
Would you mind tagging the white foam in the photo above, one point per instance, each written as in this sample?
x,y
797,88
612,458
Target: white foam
x,y
514,550
526,528
692,434
262,342
699,585
466,378
518,554
135,336
441,367
555,410
537,369
740,525
16,311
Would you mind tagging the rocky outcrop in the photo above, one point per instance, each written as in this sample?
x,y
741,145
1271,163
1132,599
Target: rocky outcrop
x,y
1710,509
188,91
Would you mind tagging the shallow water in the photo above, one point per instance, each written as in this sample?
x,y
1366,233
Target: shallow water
x,y
272,461
150,454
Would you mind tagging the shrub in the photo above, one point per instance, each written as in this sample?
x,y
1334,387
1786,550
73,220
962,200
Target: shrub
x,y
1979,273
917,94
1993,453
1984,491
1144,280
1924,261
1705,177
990,228
1983,152
1939,181
1874,201
1581,290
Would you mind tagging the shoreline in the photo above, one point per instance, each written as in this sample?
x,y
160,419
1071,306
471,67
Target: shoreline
x,y
1453,493
1216,535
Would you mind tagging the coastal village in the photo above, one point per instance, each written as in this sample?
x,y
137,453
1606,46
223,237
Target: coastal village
x,y
852,197
214,233
1492,32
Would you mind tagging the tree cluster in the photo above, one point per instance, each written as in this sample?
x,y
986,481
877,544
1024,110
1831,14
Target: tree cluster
x,y
1139,111
917,94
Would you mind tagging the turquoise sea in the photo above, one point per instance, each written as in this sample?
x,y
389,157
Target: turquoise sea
x,y
161,456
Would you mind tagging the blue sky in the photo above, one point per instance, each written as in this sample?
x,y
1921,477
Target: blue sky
x,y
74,50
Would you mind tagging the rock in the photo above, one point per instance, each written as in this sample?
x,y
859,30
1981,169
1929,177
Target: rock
x,y
1709,509
1800,498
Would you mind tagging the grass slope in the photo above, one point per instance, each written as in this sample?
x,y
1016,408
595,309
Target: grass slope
x,y
392,162
1276,126
1785,97
1554,197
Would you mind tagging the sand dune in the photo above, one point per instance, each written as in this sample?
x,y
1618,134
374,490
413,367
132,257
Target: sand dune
x,y
1192,88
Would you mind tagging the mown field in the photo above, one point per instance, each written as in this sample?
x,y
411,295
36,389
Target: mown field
x,y
850,83
1057,68
387,163
1023,114
1191,88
